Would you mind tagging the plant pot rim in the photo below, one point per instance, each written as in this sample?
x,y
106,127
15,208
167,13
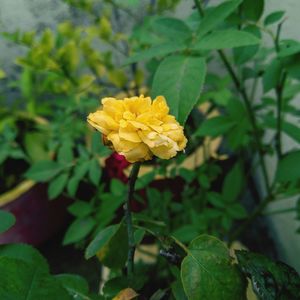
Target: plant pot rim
x,y
14,193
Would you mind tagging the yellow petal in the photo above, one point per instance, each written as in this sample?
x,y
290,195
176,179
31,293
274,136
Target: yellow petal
x,y
159,106
120,144
138,125
139,153
164,152
102,119
130,136
126,294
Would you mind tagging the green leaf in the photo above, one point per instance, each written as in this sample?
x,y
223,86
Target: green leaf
x,y
97,144
159,294
26,83
188,175
76,285
118,188
244,54
172,29
215,126
24,252
203,181
4,153
44,170
7,220
78,230
288,48
216,16
34,143
79,172
236,211
65,153
293,131
110,245
233,184
114,253
288,168
57,185
108,208
270,280
101,240
128,3
144,180
95,171
224,39
113,286
180,79
207,271
292,65
80,209
155,51
178,291
21,280
185,233
272,74
72,186
273,17
216,200
253,10
139,235
81,169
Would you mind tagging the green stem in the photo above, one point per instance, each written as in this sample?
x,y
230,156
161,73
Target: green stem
x,y
279,93
252,118
277,37
253,90
128,216
199,7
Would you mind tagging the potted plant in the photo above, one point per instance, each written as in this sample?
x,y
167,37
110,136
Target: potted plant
x,y
193,217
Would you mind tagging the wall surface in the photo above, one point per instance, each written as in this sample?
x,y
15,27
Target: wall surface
x,y
31,14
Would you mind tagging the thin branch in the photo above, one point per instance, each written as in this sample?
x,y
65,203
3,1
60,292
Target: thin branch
x,y
255,128
199,7
128,216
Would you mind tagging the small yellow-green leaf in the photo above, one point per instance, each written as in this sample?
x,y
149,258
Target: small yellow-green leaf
x,y
126,294
2,74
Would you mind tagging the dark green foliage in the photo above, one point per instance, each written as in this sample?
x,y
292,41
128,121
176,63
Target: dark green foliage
x,y
7,220
270,280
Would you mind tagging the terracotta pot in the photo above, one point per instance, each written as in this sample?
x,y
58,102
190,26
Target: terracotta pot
x,y
37,218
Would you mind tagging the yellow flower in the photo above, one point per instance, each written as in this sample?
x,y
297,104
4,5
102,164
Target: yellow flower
x,y
139,128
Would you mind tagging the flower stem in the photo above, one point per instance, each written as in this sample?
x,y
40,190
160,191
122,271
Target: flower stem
x,y
131,242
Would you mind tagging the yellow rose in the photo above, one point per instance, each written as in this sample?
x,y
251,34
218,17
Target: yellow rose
x,y
139,128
